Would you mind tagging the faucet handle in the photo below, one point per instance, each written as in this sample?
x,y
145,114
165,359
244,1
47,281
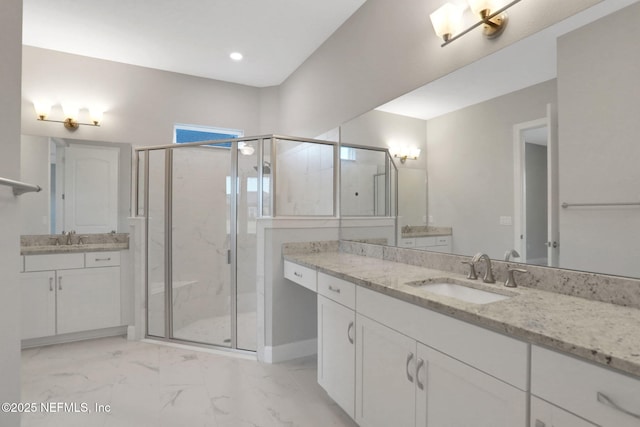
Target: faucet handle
x,y
472,270
511,280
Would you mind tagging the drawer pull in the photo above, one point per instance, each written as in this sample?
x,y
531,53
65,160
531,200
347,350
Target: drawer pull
x,y
409,359
420,365
60,283
103,259
336,290
295,273
604,399
51,284
540,424
349,332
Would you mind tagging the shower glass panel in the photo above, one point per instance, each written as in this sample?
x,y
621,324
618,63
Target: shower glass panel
x,y
155,205
304,178
201,198
246,243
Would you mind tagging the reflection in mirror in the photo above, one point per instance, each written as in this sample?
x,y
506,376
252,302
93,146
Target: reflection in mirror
x,y
364,182
497,195
85,185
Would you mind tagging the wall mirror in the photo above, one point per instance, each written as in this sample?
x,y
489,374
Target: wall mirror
x,y
85,185
540,158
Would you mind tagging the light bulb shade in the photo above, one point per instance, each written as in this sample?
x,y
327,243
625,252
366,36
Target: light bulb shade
x,y
245,150
70,111
446,20
414,153
96,115
478,6
43,108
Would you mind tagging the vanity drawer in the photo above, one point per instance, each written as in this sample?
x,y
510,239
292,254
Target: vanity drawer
x,y
408,243
53,262
443,240
585,389
102,259
303,276
425,242
339,290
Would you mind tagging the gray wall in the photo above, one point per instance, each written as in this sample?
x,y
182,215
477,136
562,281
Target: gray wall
x,y
142,104
386,49
598,93
10,70
470,168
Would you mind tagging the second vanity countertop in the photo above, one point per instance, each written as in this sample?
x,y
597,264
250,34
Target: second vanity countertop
x,y
600,332
50,244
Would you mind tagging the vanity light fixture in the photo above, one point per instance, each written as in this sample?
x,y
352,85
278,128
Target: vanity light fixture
x,y
446,20
70,113
245,150
405,153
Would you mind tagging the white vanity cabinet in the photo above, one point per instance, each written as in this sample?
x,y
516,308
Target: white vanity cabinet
x,y
336,340
591,392
544,414
385,376
451,393
69,294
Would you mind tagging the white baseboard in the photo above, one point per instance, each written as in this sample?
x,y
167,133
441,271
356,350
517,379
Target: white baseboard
x,y
290,351
76,336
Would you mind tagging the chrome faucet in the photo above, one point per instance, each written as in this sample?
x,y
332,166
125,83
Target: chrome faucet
x,y
68,241
488,273
511,253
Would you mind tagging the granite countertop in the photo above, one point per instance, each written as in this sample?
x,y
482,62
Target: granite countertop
x,y
46,244
410,231
600,332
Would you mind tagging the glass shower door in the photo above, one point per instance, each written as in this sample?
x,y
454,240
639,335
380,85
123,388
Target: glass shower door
x,y
201,291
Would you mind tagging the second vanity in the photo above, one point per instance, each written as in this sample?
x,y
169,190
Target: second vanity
x,y
71,291
392,353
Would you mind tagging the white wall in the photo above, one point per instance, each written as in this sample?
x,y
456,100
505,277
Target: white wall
x,y
35,166
10,71
386,49
470,168
142,104
598,93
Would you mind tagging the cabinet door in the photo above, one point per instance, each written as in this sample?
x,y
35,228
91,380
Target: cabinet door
x,y
453,394
544,414
88,298
38,304
337,353
385,375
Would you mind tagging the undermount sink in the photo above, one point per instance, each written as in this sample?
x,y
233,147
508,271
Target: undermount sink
x,y
448,288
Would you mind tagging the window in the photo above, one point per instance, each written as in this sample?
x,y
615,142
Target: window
x,y
183,134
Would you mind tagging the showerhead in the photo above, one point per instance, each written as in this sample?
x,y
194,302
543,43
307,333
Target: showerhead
x,y
266,168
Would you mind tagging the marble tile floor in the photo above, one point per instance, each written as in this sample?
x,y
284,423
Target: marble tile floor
x,y
148,384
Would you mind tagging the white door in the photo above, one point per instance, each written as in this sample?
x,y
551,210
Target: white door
x,y
337,352
544,414
553,203
91,189
88,298
453,394
38,292
385,376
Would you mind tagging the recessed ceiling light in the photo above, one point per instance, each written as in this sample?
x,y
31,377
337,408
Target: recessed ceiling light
x,y
236,56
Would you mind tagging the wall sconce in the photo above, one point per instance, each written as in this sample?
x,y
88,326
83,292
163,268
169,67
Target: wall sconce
x,y
70,112
405,153
446,20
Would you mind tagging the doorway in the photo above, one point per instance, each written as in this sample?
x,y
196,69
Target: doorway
x,y
536,195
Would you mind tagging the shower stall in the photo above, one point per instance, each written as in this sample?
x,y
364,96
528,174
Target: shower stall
x,y
201,203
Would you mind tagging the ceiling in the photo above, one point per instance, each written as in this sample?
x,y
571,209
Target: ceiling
x,y
192,37
522,64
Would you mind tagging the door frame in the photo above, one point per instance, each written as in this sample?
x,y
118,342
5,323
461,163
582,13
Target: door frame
x,y
519,184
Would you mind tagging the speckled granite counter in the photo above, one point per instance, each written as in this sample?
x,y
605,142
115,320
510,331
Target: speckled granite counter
x,y
55,243
425,231
596,331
